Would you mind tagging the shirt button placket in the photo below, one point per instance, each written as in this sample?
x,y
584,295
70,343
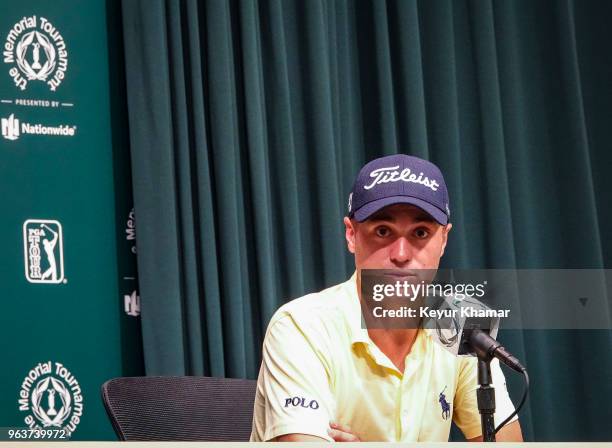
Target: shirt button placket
x,y
403,407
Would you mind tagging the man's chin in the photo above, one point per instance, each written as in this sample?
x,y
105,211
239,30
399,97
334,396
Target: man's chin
x,y
410,275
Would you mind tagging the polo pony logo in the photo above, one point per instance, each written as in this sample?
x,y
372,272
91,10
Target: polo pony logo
x,y
445,405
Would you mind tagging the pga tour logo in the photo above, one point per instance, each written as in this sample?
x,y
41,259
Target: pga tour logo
x,y
51,397
35,51
43,251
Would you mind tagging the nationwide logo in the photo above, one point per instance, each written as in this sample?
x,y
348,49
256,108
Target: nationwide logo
x,y
131,304
43,251
12,128
52,398
36,51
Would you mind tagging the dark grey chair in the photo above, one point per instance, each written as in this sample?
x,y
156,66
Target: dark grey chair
x,y
183,408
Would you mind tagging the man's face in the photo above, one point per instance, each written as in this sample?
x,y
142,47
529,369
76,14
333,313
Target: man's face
x,y
399,236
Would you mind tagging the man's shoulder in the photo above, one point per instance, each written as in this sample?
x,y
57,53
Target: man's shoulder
x,y
326,308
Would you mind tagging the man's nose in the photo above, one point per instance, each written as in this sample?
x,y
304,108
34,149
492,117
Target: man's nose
x,y
401,252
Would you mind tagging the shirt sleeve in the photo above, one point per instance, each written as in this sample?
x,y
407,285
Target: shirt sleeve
x,y
295,383
465,414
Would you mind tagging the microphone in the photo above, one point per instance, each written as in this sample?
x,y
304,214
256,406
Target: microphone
x,y
487,348
469,336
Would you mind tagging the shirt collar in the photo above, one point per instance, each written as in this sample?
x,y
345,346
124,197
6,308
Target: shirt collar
x,y
357,330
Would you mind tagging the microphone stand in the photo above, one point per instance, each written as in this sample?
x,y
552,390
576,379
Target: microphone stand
x,y
485,348
486,399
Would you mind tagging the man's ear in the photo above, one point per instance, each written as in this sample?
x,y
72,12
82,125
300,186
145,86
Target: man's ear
x,y
349,234
447,228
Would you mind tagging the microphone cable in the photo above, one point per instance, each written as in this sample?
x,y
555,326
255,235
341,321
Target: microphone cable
x,y
522,402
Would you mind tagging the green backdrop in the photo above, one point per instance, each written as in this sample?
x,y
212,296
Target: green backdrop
x,y
82,182
248,120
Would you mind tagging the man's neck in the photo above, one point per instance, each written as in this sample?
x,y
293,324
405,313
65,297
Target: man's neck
x,y
394,343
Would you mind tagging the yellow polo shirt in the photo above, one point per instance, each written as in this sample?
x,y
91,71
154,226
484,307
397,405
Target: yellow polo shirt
x,y
319,365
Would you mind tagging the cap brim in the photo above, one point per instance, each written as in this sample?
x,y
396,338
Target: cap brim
x,y
370,208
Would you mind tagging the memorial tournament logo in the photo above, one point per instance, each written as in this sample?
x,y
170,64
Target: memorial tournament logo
x,y
43,251
35,51
130,230
52,398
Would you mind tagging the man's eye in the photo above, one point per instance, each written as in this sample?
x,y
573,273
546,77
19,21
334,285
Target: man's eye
x,y
382,232
421,233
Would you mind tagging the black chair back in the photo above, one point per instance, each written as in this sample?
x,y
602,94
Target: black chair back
x,y
186,408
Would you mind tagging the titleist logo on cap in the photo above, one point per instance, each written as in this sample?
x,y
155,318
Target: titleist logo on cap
x,y
391,174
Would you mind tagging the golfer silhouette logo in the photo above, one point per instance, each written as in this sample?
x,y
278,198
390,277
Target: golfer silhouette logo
x,y
49,246
445,405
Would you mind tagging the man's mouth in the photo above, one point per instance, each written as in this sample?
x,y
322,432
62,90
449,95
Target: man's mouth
x,y
397,274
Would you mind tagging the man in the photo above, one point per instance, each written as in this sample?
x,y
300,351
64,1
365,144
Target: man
x,y
324,377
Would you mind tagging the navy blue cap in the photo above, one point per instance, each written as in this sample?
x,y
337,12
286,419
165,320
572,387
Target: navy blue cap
x,y
399,179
